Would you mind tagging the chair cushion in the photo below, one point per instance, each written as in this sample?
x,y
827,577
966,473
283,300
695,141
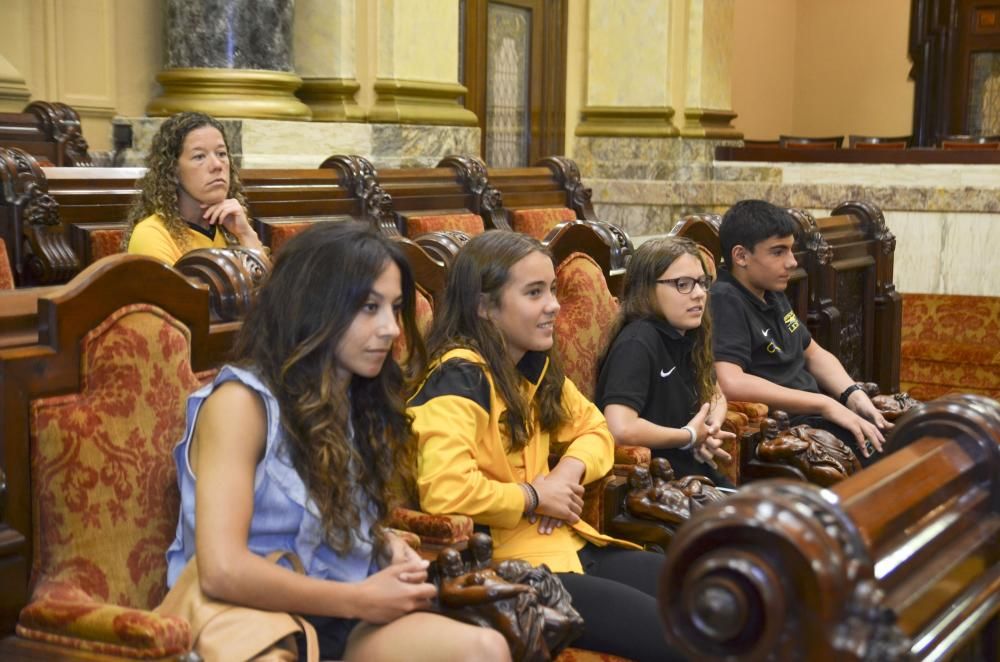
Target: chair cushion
x,y
579,655
102,474
424,315
280,233
582,327
538,222
470,224
432,529
66,615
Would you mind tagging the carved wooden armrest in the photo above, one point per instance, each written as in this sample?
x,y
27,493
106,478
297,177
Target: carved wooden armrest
x,y
67,616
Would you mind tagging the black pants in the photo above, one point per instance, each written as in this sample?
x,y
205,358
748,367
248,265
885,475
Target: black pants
x,y
617,600
841,433
331,634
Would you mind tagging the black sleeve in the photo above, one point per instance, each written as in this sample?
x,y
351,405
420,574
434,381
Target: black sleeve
x,y
730,330
625,375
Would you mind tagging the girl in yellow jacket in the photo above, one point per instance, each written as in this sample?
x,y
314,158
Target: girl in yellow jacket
x,y
493,399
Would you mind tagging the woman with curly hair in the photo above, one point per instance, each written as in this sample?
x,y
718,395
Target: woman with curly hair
x,y
191,196
294,446
656,384
494,403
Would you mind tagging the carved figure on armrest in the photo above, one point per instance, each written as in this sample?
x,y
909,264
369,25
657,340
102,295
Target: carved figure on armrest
x,y
665,502
562,623
813,452
891,406
699,489
483,597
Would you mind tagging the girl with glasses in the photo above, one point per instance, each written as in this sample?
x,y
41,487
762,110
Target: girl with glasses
x,y
656,385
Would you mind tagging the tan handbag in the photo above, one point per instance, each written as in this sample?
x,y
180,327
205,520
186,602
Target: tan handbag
x,y
223,631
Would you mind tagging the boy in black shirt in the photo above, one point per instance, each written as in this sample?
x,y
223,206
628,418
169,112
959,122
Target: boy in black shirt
x,y
763,352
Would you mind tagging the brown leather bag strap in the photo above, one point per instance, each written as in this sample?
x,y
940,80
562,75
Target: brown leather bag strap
x,y
289,556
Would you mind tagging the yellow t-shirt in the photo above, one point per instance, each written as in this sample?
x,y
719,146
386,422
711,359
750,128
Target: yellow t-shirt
x,y
150,237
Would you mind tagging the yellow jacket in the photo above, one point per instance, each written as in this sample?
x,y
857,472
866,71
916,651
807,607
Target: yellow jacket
x,y
464,468
150,237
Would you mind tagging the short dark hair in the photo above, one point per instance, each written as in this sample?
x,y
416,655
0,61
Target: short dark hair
x,y
749,222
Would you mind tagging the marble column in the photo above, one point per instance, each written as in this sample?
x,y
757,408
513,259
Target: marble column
x,y
325,48
416,56
708,87
229,58
626,127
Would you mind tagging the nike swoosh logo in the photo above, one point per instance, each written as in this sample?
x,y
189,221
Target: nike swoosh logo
x,y
766,332
667,373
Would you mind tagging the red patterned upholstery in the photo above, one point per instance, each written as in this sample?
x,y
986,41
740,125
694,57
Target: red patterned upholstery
x,y
951,344
105,490
433,529
279,233
538,222
6,273
588,310
470,224
104,243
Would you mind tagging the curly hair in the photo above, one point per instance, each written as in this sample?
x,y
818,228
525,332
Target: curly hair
x,y
482,268
321,279
159,187
639,301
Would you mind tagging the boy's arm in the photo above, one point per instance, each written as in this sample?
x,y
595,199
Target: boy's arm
x,y
833,378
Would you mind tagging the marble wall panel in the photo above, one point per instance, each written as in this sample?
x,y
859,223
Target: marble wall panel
x,y
618,72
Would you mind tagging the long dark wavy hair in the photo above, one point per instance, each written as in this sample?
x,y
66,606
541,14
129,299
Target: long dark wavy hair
x,y
482,269
321,279
638,301
159,187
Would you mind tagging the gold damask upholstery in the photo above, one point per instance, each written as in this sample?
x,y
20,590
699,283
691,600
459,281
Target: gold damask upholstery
x,y
539,222
6,273
105,490
470,224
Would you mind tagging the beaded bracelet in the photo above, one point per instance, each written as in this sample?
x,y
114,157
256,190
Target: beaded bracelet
x,y
532,493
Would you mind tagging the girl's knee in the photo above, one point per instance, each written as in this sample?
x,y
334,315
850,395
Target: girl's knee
x,y
490,645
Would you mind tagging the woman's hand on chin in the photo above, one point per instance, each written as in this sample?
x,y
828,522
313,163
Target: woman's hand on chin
x,y
231,215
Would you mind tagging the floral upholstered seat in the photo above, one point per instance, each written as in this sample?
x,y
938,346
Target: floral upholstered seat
x,y
539,222
105,489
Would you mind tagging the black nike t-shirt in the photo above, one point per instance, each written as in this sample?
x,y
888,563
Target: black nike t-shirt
x,y
765,338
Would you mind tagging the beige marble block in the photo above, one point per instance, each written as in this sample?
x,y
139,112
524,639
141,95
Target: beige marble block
x,y
324,38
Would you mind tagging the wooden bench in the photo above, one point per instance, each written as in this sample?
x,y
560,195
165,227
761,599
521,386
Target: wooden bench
x,y
48,131
899,561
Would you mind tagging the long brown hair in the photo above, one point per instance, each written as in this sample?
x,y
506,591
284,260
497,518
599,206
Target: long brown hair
x,y
481,270
321,279
639,301
158,192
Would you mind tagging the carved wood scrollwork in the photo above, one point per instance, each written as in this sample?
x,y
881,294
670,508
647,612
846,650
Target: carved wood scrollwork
x,y
233,276
578,195
810,237
62,124
359,176
442,245
43,254
488,201
617,239
873,221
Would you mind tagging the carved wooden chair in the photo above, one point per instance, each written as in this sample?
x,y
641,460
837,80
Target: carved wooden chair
x,y
91,413
804,142
970,142
879,142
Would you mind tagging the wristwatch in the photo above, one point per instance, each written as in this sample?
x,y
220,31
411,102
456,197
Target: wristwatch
x,y
846,395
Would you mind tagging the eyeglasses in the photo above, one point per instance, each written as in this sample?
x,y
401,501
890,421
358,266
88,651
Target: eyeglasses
x,y
685,284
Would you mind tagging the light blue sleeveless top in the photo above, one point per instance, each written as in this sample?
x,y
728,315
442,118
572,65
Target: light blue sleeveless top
x,y
284,517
